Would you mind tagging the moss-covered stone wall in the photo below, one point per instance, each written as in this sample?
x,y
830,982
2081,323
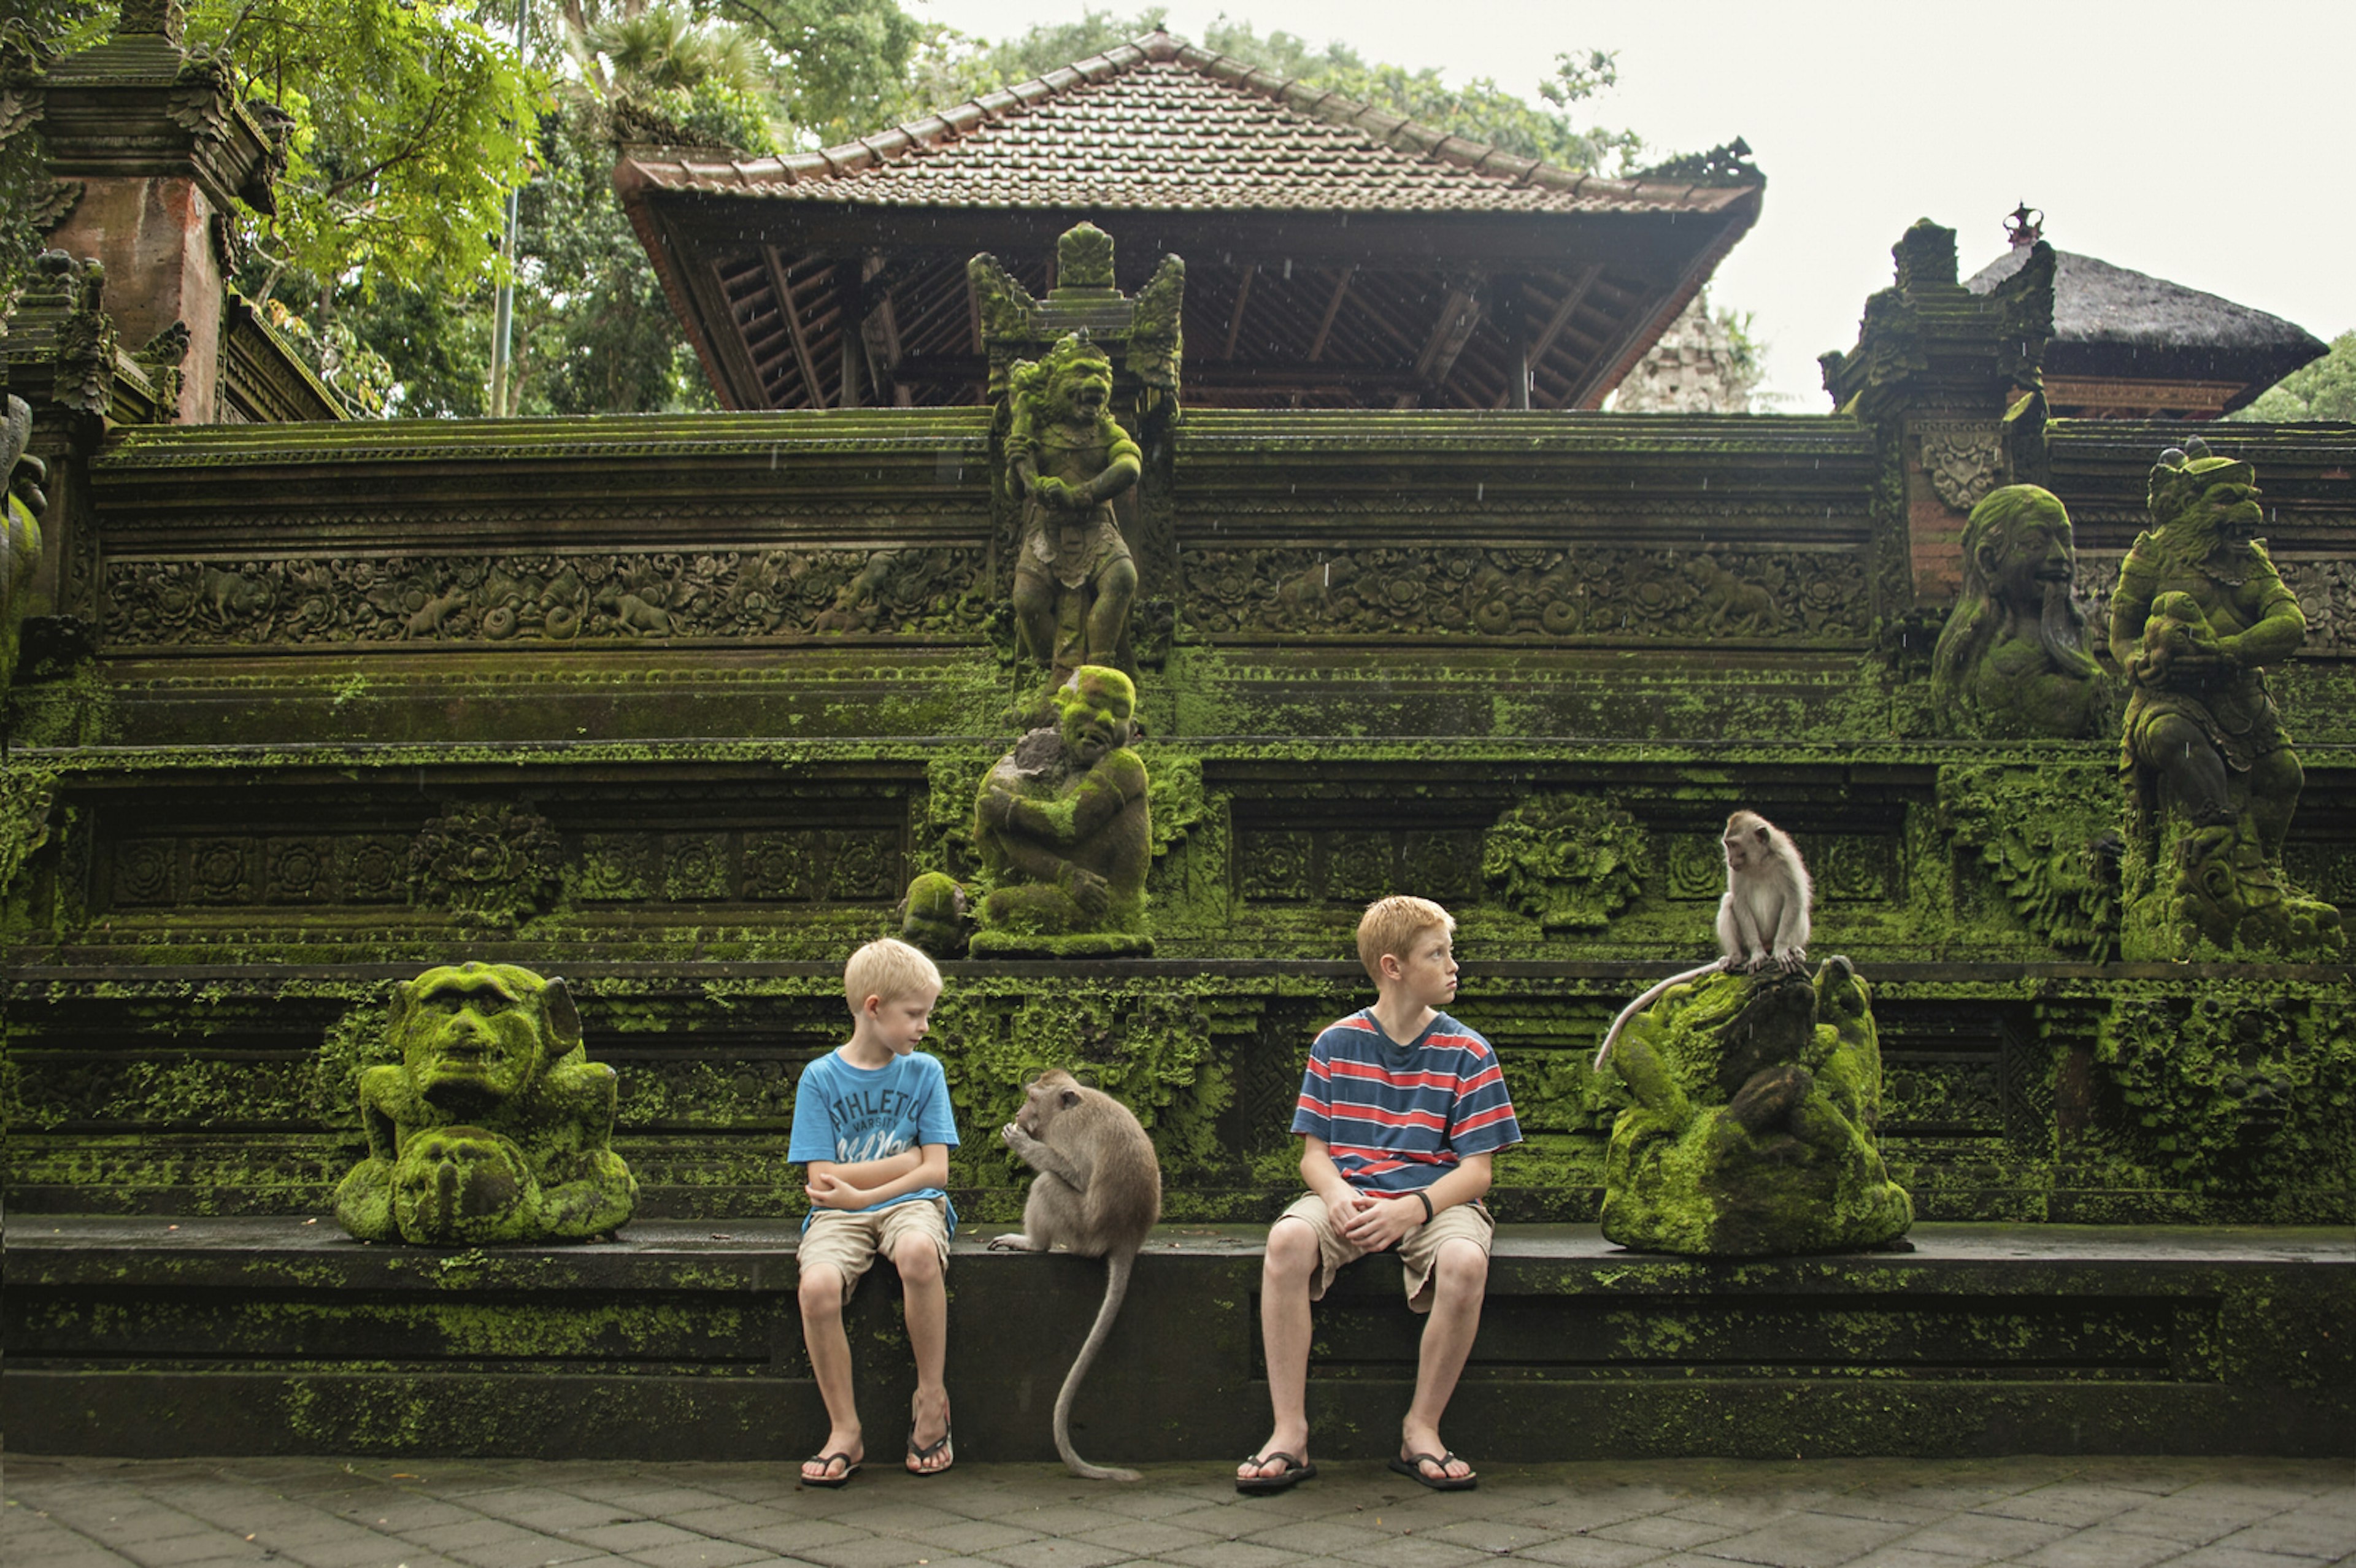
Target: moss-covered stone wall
x,y
674,708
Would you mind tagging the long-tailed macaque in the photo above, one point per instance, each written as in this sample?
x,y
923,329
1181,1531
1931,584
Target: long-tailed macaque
x,y
1763,916
1097,1193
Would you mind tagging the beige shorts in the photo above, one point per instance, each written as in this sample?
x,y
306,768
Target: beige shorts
x,y
1418,1250
850,1242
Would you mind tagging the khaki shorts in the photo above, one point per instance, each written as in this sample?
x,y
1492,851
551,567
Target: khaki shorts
x,y
850,1242
1418,1250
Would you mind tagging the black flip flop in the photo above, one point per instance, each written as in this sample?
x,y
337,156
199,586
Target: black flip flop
x,y
1411,1467
1294,1472
926,1452
850,1469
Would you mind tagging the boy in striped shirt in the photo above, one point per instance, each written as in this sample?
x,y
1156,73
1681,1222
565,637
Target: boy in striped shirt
x,y
1401,1110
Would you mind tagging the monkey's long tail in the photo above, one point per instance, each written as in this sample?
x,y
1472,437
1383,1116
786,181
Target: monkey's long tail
x,y
1117,1267
1646,1000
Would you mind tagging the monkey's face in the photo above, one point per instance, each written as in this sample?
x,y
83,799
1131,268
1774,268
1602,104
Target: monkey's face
x,y
469,1037
1049,1095
1746,849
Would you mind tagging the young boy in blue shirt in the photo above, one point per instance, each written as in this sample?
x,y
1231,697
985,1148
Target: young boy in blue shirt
x,y
873,1127
1400,1111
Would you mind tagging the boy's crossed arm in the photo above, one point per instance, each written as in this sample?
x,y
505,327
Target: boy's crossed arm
x,y
1376,1223
868,1182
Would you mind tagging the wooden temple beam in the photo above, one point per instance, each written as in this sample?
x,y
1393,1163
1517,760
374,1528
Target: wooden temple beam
x,y
783,287
1333,308
1243,298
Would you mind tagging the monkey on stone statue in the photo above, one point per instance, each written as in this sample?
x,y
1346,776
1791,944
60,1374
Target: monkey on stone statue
x,y
1763,916
1097,1193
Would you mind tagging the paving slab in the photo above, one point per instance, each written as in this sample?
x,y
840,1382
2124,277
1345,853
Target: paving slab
x,y
2040,1512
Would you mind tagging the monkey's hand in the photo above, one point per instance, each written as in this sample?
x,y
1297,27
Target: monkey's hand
x,y
1020,1142
1791,960
1017,1242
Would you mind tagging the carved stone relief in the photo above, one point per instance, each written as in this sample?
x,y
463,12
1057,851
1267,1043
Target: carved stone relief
x,y
543,598
1853,868
1339,865
1533,593
1963,459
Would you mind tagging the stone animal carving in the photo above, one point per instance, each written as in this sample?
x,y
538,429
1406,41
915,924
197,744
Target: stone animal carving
x,y
1728,605
1097,1193
494,1125
1750,1130
1067,459
1065,838
2197,614
1762,916
2012,662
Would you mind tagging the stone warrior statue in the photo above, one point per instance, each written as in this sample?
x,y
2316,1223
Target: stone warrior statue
x,y
2011,663
494,1125
22,502
1067,458
1064,836
2198,613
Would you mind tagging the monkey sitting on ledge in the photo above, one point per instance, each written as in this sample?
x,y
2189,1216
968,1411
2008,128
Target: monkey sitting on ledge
x,y
1097,1193
1762,917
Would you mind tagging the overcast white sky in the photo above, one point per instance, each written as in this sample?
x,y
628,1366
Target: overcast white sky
x,y
2209,144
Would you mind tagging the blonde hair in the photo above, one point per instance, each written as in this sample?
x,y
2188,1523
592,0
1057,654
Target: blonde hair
x,y
1391,926
887,969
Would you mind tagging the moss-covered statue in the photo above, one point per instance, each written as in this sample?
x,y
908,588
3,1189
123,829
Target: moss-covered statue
x,y
2011,663
21,477
1752,1127
1065,839
494,1127
2198,613
1067,458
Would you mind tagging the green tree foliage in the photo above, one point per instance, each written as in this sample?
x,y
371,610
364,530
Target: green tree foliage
x,y
2322,390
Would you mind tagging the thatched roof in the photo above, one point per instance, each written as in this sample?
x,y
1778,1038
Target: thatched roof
x,y
2113,324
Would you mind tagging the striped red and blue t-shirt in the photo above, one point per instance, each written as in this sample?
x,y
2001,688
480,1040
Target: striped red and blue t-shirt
x,y
1398,1117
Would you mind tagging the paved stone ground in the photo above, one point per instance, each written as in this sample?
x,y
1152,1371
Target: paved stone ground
x,y
1695,1513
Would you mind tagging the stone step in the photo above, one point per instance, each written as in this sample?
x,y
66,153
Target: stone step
x,y
144,1336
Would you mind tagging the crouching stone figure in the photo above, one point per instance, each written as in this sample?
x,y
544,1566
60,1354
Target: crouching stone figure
x,y
494,1127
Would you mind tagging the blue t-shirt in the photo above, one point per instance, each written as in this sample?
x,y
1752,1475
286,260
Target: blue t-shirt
x,y
849,1114
1396,1118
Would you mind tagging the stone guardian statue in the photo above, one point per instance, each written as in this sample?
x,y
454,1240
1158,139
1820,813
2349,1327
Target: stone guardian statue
x,y
2199,614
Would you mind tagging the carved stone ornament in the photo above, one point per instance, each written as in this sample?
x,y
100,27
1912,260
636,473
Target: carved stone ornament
x,y
1750,1130
1571,861
2215,778
1600,592
493,1126
1064,836
544,598
2012,662
1963,459
491,865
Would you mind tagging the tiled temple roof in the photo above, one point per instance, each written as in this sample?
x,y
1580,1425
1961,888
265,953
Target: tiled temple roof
x,y
1338,255
1163,125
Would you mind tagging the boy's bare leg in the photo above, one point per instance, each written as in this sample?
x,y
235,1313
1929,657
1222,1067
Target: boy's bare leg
x,y
925,1301
1460,1279
830,1355
1291,1264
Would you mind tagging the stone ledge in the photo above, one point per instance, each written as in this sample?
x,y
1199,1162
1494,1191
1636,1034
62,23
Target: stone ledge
x,y
681,1340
